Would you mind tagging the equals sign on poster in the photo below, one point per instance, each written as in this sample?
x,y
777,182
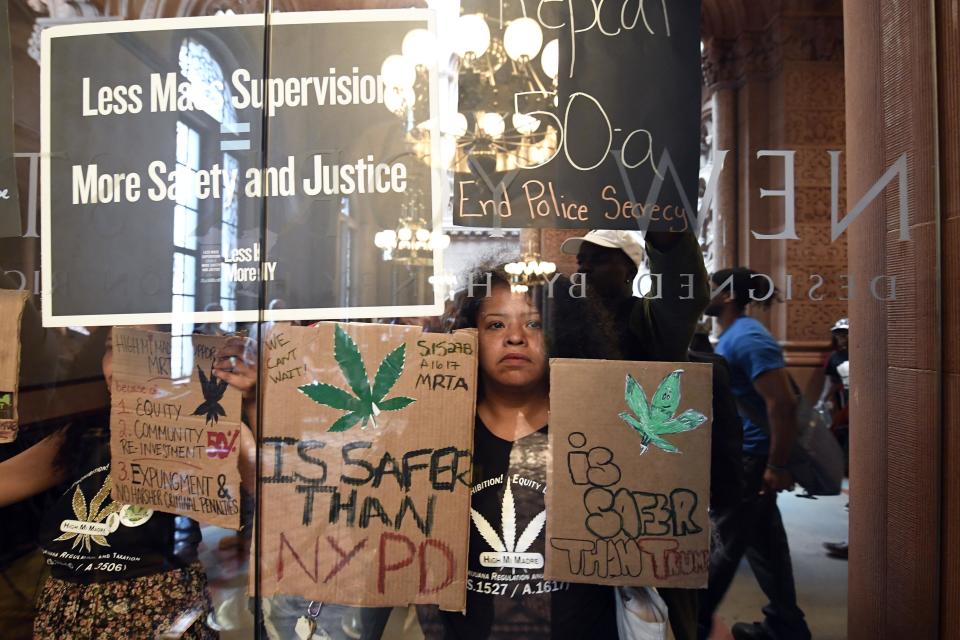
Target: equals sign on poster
x,y
235,129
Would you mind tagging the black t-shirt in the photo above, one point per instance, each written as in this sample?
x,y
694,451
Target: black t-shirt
x,y
86,537
507,595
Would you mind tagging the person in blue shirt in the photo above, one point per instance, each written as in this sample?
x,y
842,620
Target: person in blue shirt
x,y
767,406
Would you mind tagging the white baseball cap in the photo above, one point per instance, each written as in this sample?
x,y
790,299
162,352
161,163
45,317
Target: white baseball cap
x,y
843,324
630,242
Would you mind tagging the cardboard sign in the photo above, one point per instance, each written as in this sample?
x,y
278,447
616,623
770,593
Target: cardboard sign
x,y
174,427
11,312
622,122
155,180
367,438
629,481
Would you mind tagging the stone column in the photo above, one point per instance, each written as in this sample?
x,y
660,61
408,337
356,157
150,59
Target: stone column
x,y
725,204
720,77
895,430
948,80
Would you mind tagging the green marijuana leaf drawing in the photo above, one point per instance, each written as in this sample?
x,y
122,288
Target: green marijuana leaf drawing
x,y
212,388
367,402
656,419
5,401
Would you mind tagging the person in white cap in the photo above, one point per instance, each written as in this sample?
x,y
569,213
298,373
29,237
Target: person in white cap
x,y
835,398
656,327
836,381
609,258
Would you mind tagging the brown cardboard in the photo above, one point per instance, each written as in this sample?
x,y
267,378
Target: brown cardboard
x,y
164,456
11,312
616,514
384,546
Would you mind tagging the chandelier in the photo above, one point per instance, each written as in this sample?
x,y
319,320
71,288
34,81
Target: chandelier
x,y
528,272
506,74
445,284
412,243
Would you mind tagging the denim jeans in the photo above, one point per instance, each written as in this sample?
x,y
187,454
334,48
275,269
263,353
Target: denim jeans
x,y
754,528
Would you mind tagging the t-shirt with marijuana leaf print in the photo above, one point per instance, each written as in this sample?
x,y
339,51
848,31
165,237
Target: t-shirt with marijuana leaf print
x,y
507,595
86,537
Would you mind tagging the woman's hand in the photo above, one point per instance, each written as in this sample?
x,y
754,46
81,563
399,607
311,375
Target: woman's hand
x,y
236,364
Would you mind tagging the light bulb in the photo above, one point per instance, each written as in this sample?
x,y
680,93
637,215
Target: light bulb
x,y
439,240
398,71
524,123
405,234
448,151
418,47
397,100
523,38
472,35
549,267
388,239
458,124
422,235
550,58
492,124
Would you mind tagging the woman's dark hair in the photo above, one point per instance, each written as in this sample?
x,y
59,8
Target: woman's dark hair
x,y
747,286
574,327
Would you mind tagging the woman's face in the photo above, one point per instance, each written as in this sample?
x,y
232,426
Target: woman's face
x,y
512,352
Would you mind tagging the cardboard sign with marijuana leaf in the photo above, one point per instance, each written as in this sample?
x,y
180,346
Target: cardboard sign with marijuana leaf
x,y
174,427
367,402
629,481
11,312
367,439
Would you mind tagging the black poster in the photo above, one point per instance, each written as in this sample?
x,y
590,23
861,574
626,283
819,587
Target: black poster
x,y
162,204
625,115
9,201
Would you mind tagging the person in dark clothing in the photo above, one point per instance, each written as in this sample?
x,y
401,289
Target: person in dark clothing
x,y
726,445
610,261
508,510
835,398
104,555
767,407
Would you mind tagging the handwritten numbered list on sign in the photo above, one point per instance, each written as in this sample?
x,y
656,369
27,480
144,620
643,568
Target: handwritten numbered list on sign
x,y
174,435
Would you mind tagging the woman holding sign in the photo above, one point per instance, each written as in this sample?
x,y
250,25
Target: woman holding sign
x,y
115,571
507,595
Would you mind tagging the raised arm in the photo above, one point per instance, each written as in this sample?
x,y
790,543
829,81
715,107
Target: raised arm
x,y
665,324
237,365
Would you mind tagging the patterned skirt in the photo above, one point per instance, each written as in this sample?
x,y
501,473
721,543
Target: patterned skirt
x,y
141,607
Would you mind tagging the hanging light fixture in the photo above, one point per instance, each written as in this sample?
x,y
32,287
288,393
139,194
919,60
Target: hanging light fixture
x,y
506,72
411,243
529,271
